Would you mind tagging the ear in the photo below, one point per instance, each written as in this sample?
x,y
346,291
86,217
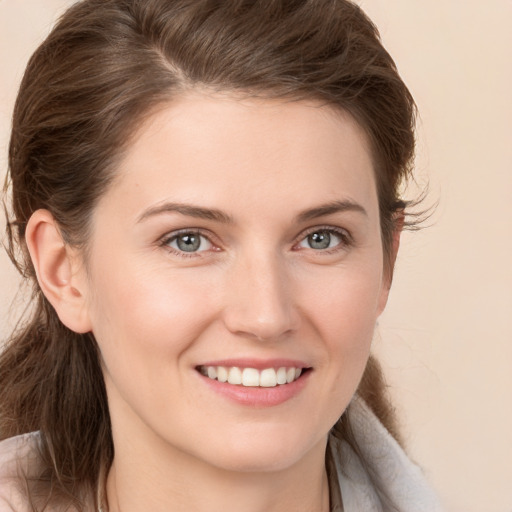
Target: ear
x,y
398,225
58,270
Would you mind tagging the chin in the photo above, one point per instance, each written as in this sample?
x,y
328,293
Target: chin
x,y
265,452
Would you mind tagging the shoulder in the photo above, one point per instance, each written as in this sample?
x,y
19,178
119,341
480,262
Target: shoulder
x,y
385,461
18,459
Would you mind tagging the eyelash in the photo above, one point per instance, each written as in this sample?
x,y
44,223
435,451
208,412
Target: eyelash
x,y
170,237
346,240
345,243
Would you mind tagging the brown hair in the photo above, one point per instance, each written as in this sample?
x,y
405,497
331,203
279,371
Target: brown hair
x,y
103,69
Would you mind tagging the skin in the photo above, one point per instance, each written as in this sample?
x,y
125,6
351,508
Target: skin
x,y
256,288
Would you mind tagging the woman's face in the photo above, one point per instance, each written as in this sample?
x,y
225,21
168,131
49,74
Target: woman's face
x,y
240,241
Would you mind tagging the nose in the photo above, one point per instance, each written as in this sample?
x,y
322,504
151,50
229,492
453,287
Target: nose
x,y
259,299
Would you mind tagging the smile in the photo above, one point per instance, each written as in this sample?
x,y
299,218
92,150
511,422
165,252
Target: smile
x,y
251,377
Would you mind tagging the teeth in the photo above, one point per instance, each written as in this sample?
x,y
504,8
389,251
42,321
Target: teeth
x,y
250,377
222,374
281,376
235,375
268,378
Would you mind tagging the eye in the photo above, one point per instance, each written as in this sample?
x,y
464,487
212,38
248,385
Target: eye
x,y
324,238
188,242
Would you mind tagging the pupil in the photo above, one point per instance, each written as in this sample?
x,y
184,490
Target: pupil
x,y
189,242
319,240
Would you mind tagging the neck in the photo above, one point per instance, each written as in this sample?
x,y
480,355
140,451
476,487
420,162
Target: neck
x,y
179,483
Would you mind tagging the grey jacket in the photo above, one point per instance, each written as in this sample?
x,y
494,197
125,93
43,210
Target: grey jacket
x,y
401,480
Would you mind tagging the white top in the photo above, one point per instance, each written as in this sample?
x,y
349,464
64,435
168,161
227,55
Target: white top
x,y
400,479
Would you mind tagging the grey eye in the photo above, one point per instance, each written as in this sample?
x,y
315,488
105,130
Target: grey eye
x,y
321,240
189,242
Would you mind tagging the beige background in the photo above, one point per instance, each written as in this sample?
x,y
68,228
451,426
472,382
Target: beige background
x,y
446,338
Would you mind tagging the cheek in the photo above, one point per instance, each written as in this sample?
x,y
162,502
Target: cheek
x,y
344,312
345,301
142,312
144,326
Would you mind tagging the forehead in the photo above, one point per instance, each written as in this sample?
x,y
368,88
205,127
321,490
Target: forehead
x,y
234,152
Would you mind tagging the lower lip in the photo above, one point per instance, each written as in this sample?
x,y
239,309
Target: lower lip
x,y
258,396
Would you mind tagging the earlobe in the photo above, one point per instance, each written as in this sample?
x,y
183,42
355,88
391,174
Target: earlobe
x,y
56,265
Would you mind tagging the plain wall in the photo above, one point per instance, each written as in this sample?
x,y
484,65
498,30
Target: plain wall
x,y
446,337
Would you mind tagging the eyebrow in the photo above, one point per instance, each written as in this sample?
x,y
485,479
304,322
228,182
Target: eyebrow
x,y
330,209
188,210
222,217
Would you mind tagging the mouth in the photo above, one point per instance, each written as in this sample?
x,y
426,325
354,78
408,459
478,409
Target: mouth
x,y
253,377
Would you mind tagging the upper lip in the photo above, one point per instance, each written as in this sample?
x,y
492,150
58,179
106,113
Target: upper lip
x,y
258,364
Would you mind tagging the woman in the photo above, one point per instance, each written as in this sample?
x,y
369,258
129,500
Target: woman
x,y
205,196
